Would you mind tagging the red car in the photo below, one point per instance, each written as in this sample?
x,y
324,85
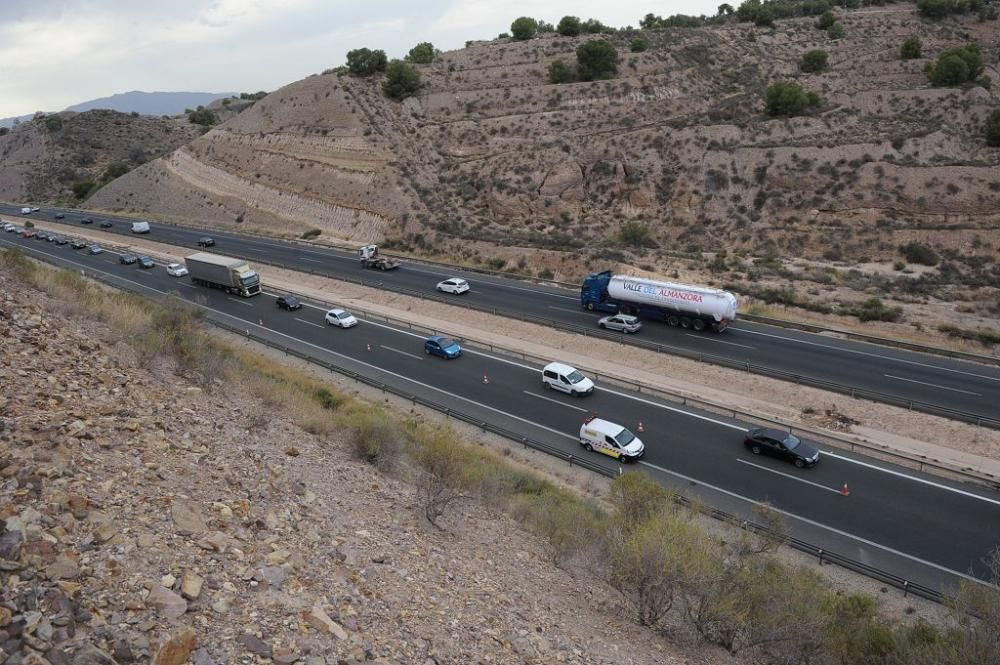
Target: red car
x,y
29,233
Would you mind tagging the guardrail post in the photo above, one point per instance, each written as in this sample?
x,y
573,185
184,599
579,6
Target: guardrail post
x,y
906,587
820,555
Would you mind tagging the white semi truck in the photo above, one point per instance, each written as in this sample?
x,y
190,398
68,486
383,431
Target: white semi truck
x,y
221,272
685,305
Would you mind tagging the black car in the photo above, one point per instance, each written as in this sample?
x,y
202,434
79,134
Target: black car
x,y
781,444
86,220
106,224
206,242
78,244
288,302
42,235
146,262
127,259
59,215
61,241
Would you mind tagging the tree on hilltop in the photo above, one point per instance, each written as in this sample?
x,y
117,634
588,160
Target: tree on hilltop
x,y
569,26
422,54
523,28
596,59
365,62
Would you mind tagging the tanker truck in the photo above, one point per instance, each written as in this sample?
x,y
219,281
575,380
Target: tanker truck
x,y
221,272
696,307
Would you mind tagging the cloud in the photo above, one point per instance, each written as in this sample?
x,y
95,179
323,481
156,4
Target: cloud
x,y
60,52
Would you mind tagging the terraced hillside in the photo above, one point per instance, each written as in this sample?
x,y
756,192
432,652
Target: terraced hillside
x,y
675,156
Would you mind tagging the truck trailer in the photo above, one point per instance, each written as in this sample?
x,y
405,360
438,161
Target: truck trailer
x,y
372,258
221,272
685,305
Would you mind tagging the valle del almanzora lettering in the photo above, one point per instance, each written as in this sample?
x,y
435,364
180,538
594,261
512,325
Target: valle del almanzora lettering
x,y
663,293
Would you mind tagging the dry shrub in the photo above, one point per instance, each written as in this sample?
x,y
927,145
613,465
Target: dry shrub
x,y
373,436
443,467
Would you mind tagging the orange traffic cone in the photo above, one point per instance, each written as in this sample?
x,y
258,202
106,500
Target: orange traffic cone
x,y
844,490
486,379
641,430
369,347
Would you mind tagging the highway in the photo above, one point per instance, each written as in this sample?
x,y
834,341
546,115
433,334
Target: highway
x,y
926,529
898,374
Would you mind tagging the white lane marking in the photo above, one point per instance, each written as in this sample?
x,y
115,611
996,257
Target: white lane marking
x,y
566,309
554,401
932,385
614,392
308,323
190,286
402,353
720,341
111,262
239,301
310,260
818,525
931,483
868,353
788,475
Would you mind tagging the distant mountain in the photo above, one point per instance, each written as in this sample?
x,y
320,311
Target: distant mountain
x,y
144,103
151,103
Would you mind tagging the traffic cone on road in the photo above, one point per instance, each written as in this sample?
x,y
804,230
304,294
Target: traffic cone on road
x,y
844,490
486,379
641,430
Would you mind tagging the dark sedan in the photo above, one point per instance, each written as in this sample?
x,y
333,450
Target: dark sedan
x,y
59,215
146,262
784,445
106,224
86,220
206,242
288,302
127,259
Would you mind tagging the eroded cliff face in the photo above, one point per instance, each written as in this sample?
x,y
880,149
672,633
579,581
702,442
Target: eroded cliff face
x,y
490,152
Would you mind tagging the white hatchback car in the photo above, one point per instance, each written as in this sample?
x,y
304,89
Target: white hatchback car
x,y
567,379
341,318
176,270
454,285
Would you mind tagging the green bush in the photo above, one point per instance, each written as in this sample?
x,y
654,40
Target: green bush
x,y
912,48
956,66
594,27
365,62
311,233
836,31
4,131
596,59
401,80
993,128
53,123
524,28
636,234
374,437
813,61
873,309
916,252
202,116
826,20
937,9
984,337
569,26
115,169
422,54
789,99
638,45
82,188
560,72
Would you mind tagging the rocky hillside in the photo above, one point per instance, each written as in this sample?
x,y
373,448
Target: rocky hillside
x,y
145,520
678,141
41,160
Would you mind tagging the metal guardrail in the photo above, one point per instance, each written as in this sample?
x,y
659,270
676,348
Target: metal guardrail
x,y
585,463
763,370
922,463
823,556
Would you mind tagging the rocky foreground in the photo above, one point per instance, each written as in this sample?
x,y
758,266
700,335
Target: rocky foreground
x,y
147,521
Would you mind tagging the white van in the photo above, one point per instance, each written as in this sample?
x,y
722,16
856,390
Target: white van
x,y
26,211
611,439
567,379
140,227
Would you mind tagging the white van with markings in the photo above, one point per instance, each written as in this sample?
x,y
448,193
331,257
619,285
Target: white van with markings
x,y
611,439
140,227
567,379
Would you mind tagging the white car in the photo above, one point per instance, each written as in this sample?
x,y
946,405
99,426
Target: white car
x,y
176,270
341,317
566,379
454,285
9,228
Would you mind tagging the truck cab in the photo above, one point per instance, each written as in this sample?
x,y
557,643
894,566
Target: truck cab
x,y
594,293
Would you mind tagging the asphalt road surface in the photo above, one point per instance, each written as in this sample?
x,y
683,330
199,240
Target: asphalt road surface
x,y
899,374
928,530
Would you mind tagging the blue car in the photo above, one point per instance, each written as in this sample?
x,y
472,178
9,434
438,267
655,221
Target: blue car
x,y
442,346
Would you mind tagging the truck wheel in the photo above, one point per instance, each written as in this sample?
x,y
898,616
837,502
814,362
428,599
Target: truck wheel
x,y
685,322
699,325
590,306
673,320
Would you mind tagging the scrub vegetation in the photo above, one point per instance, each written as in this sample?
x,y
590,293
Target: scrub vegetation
x,y
644,541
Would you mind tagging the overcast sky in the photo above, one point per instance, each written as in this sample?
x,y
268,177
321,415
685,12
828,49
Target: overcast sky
x,y
55,53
